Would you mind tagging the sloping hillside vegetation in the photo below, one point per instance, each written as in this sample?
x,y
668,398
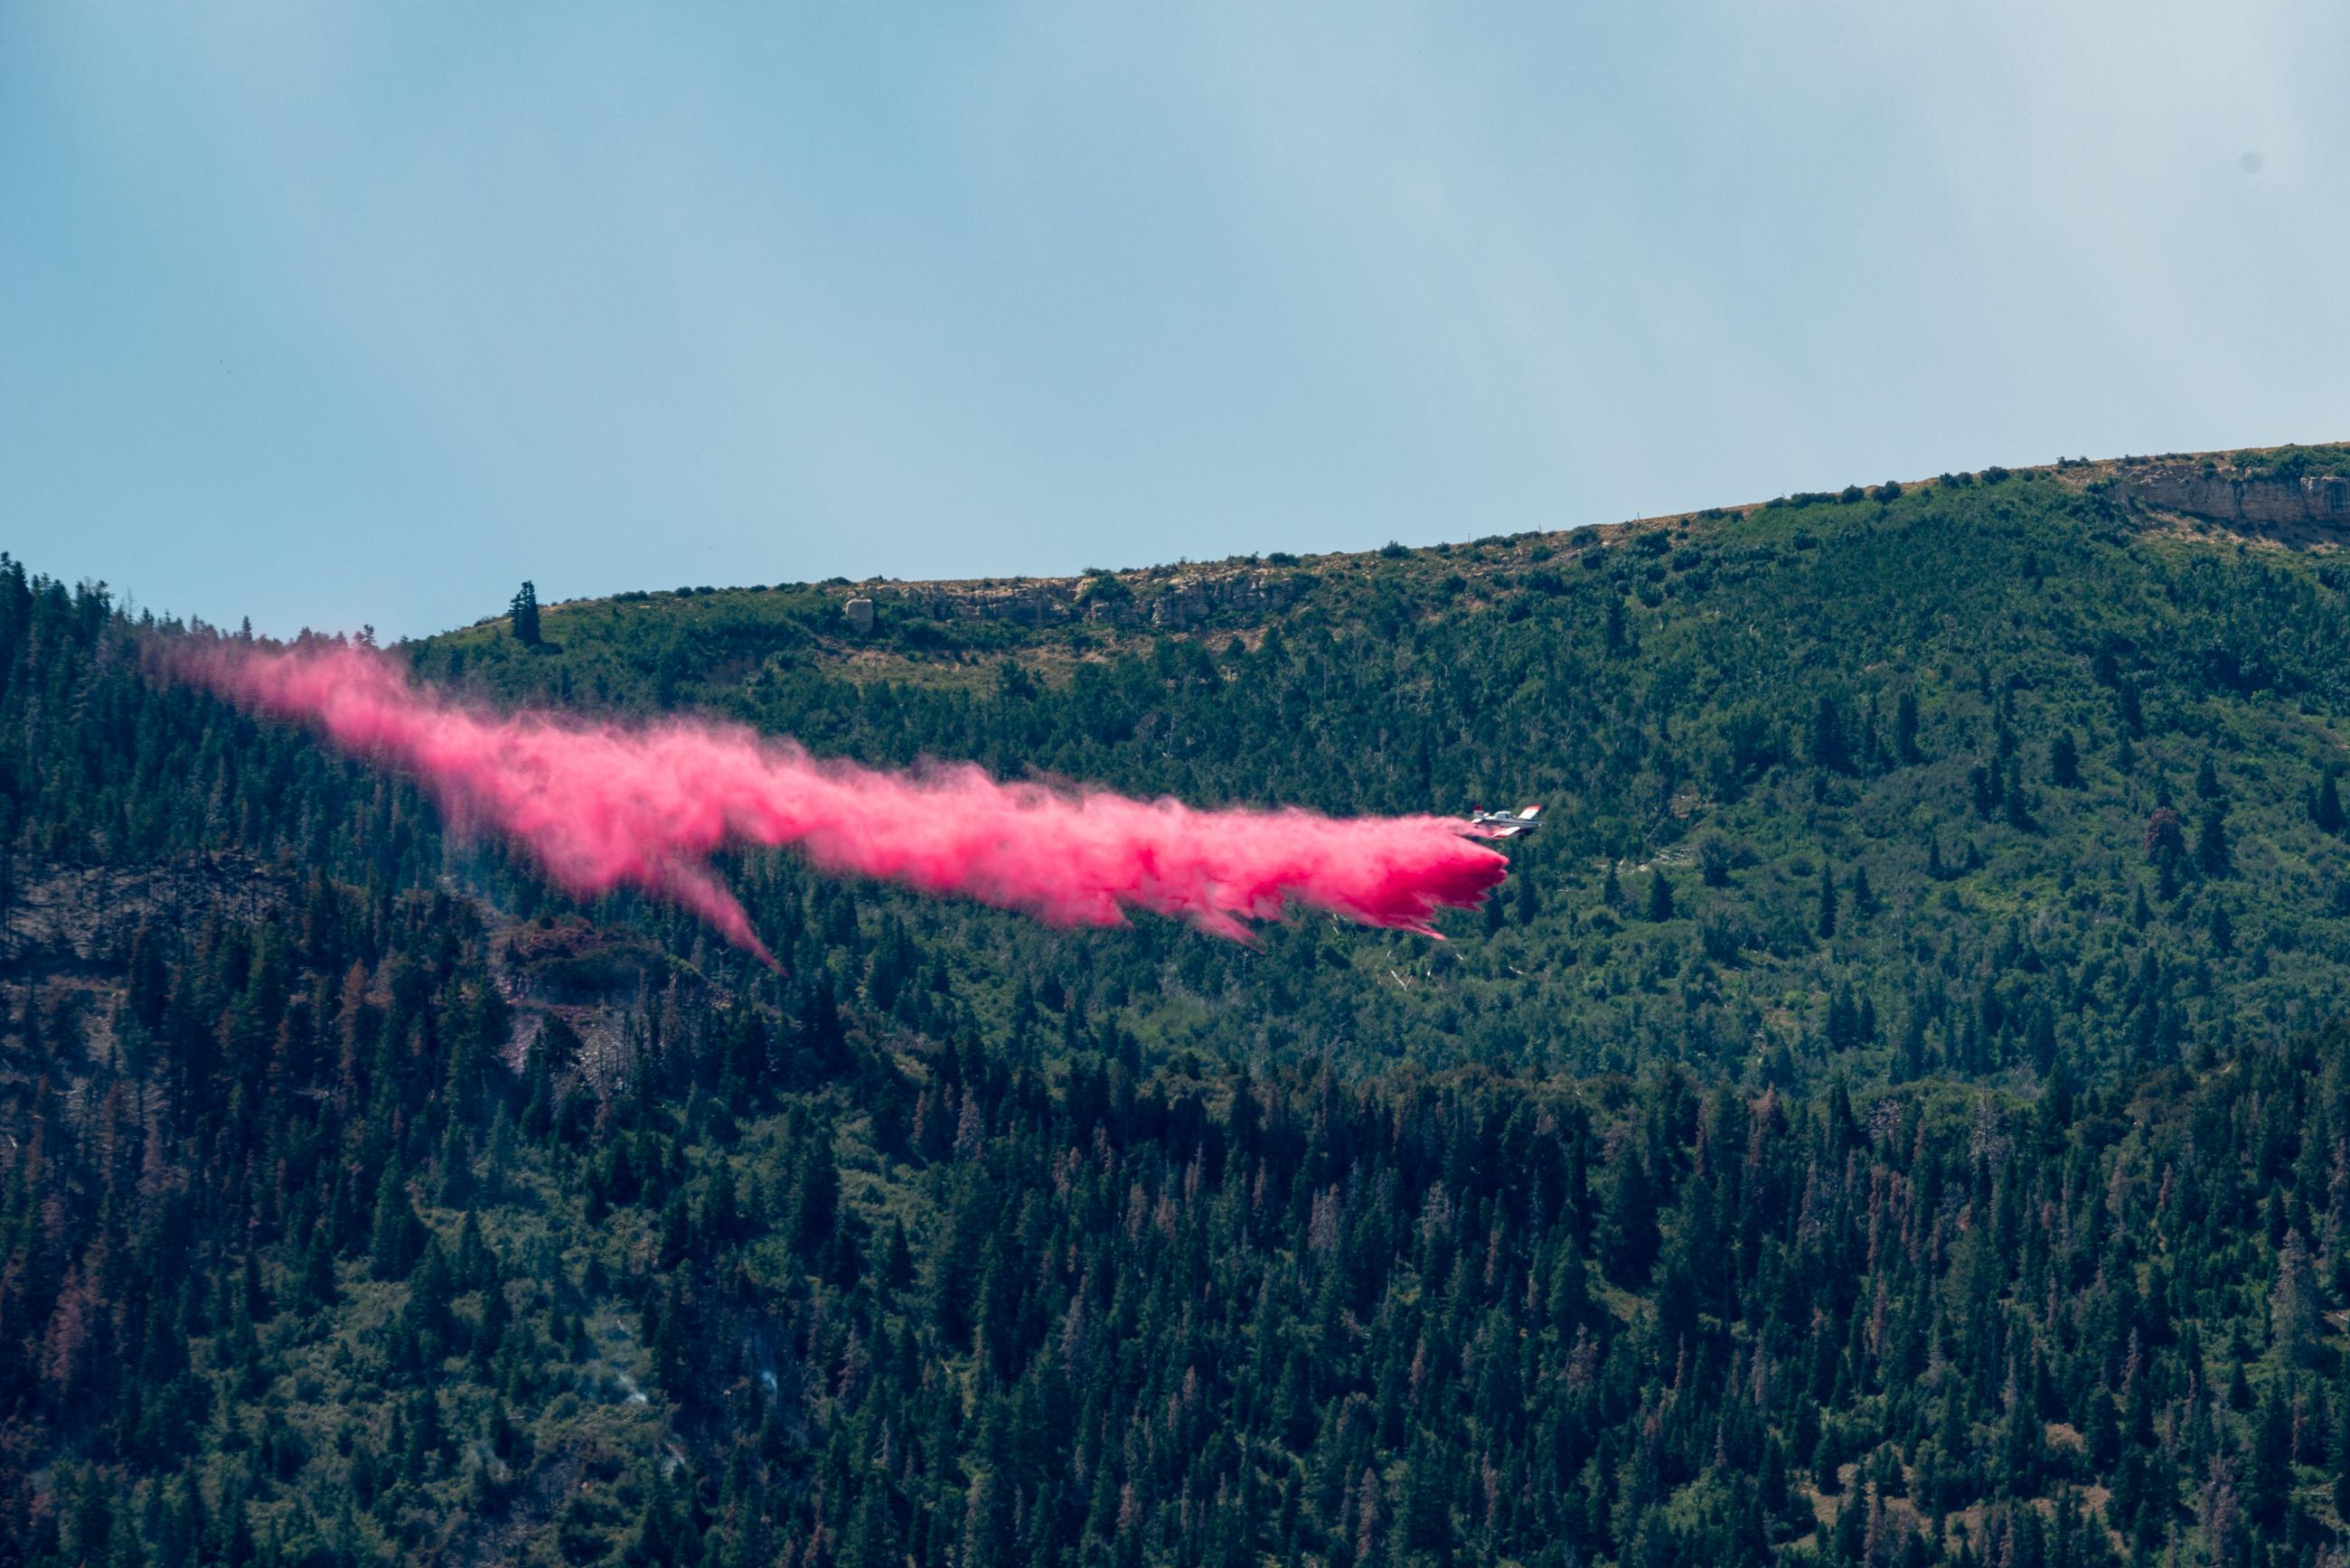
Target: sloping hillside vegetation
x,y
1954,780
1896,1114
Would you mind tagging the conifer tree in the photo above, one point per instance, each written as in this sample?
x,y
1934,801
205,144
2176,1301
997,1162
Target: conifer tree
x,y
2064,760
2326,805
2211,853
525,613
1905,729
1831,752
397,1237
1864,897
2293,1303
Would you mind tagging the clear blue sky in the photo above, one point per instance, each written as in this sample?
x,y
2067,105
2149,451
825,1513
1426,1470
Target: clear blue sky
x,y
340,314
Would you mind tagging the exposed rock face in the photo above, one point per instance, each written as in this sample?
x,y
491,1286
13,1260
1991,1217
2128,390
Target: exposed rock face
x,y
1171,600
2311,499
64,916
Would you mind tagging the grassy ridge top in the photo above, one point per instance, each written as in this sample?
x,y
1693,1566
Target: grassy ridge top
x,y
954,621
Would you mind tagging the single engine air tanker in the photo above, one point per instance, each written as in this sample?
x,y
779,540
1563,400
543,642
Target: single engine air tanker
x,y
1503,824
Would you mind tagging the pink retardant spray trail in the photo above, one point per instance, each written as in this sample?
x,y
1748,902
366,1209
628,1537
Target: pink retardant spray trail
x,y
600,806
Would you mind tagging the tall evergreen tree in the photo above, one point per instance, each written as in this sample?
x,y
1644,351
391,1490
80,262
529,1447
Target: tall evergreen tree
x,y
2064,760
525,613
2326,805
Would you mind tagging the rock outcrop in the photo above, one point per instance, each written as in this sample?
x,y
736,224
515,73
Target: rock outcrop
x,y
2250,501
1173,600
61,915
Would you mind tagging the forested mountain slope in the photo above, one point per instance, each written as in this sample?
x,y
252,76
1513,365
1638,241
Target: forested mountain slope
x,y
1955,779
1950,1164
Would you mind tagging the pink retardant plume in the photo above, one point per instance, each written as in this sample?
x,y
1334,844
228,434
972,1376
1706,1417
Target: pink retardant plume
x,y
606,806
